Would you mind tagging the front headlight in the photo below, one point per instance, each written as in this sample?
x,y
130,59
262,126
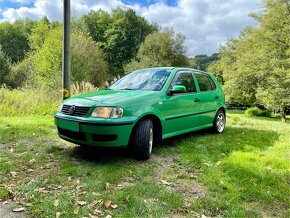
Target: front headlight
x,y
60,107
107,112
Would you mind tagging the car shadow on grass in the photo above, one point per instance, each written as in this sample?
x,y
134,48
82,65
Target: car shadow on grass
x,y
235,138
101,154
203,141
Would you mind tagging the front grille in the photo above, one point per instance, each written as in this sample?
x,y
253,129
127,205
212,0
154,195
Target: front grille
x,y
73,110
80,136
104,138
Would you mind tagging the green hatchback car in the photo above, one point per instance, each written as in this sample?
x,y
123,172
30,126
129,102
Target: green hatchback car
x,y
143,108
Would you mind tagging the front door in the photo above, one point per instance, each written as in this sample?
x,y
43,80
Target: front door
x,y
179,108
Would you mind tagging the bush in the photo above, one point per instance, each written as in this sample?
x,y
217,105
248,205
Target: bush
x,y
5,66
257,112
20,75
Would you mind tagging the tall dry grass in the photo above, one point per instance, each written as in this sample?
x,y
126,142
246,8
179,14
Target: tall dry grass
x,y
36,102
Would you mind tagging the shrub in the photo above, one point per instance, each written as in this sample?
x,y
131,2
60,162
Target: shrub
x,y
5,66
21,74
257,112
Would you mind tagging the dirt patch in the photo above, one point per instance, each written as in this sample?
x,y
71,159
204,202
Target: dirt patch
x,y
189,188
179,179
265,211
164,163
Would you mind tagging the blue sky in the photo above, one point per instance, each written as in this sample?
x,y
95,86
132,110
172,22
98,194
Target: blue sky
x,y
5,4
205,23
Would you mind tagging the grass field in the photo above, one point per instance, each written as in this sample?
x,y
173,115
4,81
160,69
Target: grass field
x,y
241,173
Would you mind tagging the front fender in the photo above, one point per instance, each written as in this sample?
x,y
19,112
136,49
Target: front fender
x,y
150,111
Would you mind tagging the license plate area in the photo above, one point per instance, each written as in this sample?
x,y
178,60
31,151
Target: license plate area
x,y
69,125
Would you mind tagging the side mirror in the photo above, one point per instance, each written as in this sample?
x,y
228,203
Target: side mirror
x,y
178,89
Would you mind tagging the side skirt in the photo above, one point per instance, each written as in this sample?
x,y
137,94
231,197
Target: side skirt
x,y
165,136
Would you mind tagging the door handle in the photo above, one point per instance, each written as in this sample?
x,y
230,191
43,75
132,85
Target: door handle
x,y
197,100
217,97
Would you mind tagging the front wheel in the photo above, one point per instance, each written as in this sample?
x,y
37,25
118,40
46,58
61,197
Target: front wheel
x,y
219,122
143,142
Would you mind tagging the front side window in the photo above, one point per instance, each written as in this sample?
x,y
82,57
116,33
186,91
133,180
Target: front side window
x,y
150,79
204,83
184,79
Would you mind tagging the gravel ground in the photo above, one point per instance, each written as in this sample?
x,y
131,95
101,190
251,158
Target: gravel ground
x,y
5,212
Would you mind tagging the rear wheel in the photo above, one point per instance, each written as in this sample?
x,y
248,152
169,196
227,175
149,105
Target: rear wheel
x,y
219,122
143,139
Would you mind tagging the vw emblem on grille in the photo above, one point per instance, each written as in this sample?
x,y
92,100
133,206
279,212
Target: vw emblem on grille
x,y
72,110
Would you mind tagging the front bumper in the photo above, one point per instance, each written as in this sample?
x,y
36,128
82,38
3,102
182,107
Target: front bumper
x,y
87,131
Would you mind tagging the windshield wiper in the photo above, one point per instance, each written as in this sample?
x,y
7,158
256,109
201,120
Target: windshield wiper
x,y
128,89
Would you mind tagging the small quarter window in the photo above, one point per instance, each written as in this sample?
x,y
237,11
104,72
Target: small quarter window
x,y
213,85
204,83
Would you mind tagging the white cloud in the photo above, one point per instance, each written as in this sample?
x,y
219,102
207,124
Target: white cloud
x,y
205,23
12,14
53,9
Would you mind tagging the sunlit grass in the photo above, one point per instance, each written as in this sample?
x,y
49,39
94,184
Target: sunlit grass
x,y
241,173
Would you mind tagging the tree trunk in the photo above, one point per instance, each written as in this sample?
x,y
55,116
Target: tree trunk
x,y
283,113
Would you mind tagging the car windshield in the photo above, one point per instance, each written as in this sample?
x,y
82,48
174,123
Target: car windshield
x,y
150,79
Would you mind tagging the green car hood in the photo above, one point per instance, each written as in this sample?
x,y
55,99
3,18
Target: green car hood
x,y
111,98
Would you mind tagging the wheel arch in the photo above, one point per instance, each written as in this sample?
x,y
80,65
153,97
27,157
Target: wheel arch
x,y
157,128
222,109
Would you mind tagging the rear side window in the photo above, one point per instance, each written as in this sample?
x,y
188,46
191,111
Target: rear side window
x,y
205,83
184,79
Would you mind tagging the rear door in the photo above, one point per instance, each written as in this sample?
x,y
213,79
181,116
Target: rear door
x,y
179,108
208,98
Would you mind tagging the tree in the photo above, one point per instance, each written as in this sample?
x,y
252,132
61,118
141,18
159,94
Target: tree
x,y
95,23
217,70
274,34
88,62
160,49
39,33
239,70
201,62
119,35
256,67
14,38
5,66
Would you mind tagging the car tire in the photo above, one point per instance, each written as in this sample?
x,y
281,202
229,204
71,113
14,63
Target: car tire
x,y
143,139
219,123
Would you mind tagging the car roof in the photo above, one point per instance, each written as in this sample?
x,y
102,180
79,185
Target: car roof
x,y
177,68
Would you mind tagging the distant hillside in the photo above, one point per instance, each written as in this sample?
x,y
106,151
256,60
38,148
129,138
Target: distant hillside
x,y
201,62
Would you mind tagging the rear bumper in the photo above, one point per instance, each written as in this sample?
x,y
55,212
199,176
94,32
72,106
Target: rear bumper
x,y
95,133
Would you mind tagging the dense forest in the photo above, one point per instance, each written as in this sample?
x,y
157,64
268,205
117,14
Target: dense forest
x,y
254,69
